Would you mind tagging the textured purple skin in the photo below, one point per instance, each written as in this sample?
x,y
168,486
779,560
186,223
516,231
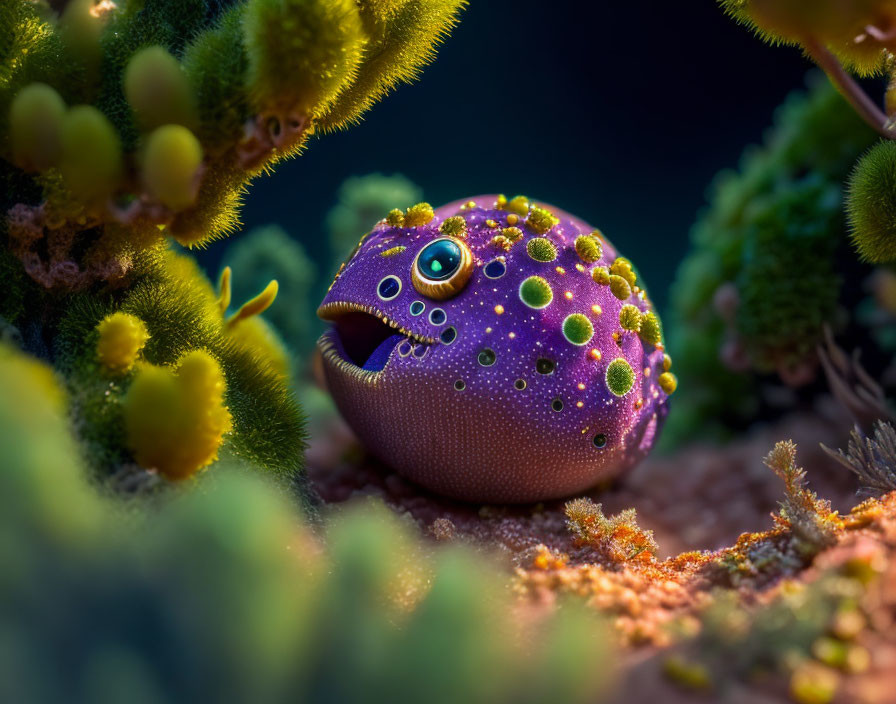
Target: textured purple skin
x,y
491,442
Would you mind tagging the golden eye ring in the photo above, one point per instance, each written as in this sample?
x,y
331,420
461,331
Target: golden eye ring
x,y
442,268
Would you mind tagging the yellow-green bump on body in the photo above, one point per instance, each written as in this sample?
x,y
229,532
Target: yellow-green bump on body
x,y
419,214
455,226
667,362
601,275
392,251
541,249
623,267
620,287
518,205
650,331
121,337
514,234
501,242
630,318
577,329
619,377
668,382
588,248
395,218
536,292
540,220
175,420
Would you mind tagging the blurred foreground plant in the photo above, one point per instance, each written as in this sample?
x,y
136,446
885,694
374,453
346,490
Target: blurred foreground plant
x,y
223,594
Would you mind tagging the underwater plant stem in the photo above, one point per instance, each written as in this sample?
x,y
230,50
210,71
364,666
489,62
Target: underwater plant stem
x,y
852,91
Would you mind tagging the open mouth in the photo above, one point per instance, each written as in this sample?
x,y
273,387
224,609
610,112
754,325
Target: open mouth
x,y
363,337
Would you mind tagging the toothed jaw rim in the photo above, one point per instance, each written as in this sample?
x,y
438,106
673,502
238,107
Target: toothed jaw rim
x,y
362,339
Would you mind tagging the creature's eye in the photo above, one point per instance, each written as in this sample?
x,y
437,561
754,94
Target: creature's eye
x,y
442,268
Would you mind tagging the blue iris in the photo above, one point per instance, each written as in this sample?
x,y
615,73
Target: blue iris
x,y
439,260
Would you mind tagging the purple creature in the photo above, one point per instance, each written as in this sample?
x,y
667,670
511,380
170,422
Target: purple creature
x,y
495,350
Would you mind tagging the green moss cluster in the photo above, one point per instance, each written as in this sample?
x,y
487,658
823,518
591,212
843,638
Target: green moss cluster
x,y
225,594
125,123
233,89
764,273
871,204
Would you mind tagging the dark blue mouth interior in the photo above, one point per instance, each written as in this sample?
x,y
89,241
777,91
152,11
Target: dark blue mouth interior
x,y
366,340
376,362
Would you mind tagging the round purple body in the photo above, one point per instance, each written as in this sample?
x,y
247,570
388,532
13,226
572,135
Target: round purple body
x,y
514,360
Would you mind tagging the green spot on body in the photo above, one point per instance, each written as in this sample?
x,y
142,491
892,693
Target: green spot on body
x,y
541,249
535,292
577,329
620,377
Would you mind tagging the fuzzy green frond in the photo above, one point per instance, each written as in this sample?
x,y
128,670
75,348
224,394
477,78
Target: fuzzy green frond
x,y
402,38
216,64
871,204
302,53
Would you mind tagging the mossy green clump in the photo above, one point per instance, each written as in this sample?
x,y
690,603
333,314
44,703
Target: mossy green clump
x,y
302,54
620,377
536,292
871,204
541,249
181,314
123,123
764,274
251,80
577,329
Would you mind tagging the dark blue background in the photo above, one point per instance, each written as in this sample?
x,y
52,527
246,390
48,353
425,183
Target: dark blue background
x,y
620,112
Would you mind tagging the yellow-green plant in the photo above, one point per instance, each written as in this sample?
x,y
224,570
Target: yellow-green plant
x,y
224,593
125,126
847,39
